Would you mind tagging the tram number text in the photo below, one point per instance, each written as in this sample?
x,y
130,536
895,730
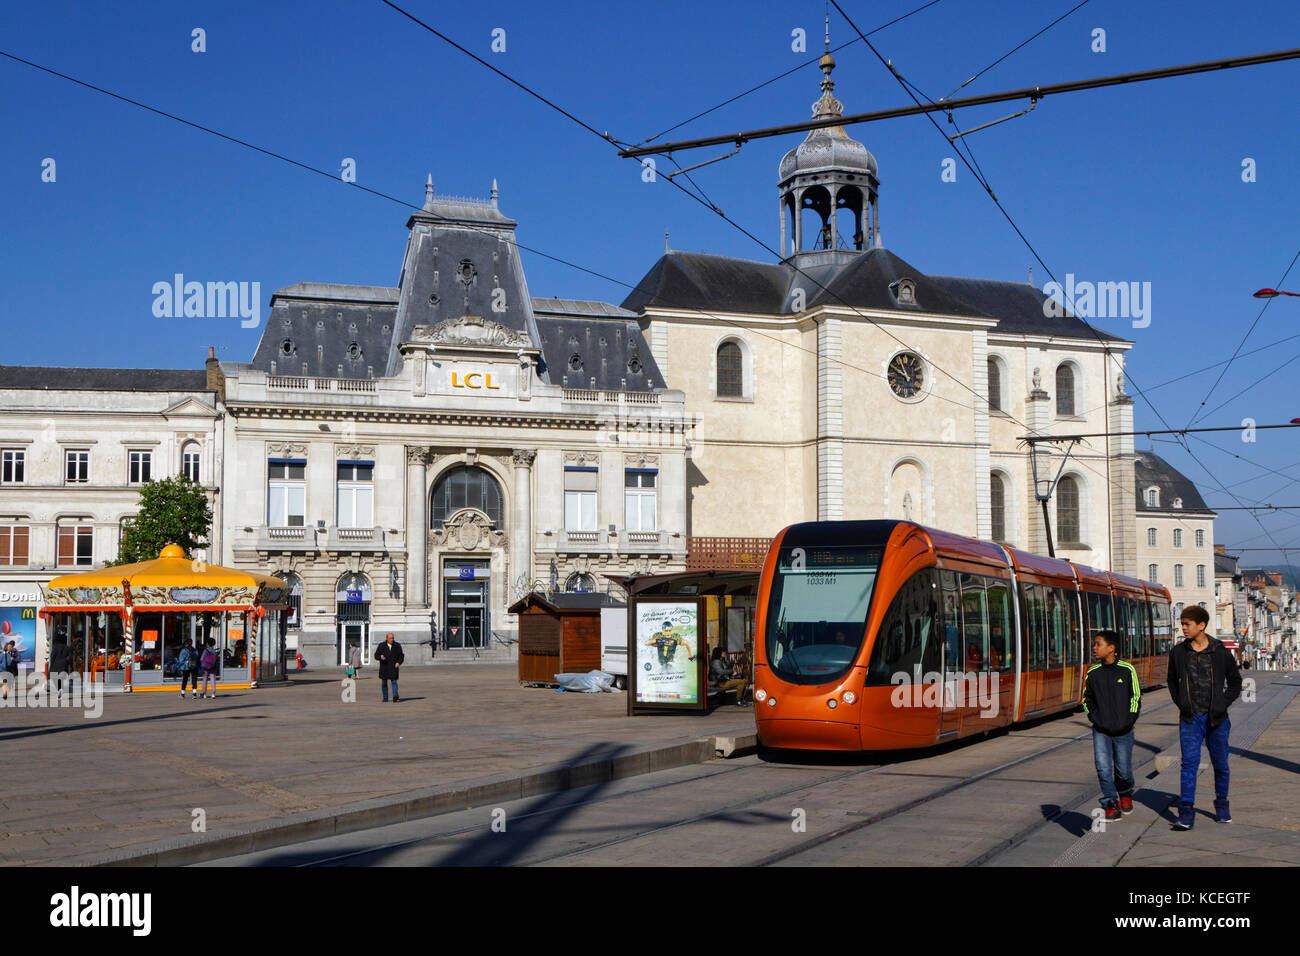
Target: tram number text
x,y
821,578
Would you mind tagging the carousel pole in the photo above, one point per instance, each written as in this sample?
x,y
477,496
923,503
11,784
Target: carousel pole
x,y
128,632
256,619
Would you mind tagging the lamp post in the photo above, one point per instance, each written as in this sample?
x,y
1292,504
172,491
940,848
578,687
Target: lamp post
x,y
1273,294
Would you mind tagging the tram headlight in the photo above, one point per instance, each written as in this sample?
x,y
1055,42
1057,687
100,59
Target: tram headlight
x,y
771,702
760,695
832,703
849,697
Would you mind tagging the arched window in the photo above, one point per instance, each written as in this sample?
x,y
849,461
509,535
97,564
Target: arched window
x,y
1064,390
580,582
352,597
1178,537
995,386
1153,538
1152,569
1153,497
997,507
190,461
467,486
1178,575
731,372
1067,510
1200,537
1200,576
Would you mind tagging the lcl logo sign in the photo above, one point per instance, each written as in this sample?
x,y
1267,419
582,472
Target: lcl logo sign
x,y
485,381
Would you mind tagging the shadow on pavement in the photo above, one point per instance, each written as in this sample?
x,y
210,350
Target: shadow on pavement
x,y
91,723
523,828
1289,766
1073,822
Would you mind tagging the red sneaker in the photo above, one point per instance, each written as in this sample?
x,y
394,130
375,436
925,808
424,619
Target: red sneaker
x,y
1126,805
1112,813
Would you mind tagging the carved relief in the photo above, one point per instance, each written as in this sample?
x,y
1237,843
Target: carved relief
x,y
353,451
286,449
471,330
523,457
641,461
467,530
419,455
581,459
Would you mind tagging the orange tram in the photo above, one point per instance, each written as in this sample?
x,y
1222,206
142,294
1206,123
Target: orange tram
x,y
884,635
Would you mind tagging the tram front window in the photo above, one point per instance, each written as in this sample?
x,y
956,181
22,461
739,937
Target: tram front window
x,y
817,611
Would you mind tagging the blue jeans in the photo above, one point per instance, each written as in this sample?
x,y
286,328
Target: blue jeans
x,y
383,687
1114,759
1191,733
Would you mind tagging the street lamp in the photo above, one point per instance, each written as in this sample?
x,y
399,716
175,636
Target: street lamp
x,y
1273,294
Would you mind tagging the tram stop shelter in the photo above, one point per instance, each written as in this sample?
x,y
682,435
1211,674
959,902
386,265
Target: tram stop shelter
x,y
126,625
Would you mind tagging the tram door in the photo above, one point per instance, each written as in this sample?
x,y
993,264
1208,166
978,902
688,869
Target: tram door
x,y
953,659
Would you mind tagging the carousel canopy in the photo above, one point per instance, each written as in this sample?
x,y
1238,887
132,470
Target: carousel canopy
x,y
170,581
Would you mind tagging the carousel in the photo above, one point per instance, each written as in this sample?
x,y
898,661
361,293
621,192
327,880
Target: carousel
x,y
126,625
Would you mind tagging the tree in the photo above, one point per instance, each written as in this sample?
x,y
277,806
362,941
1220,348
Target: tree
x,y
172,511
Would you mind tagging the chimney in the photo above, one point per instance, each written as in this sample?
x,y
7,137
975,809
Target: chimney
x,y
216,381
1220,549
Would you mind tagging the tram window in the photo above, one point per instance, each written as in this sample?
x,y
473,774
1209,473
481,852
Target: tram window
x,y
1144,629
907,641
1035,625
1161,626
1000,626
954,655
1101,615
974,623
1057,625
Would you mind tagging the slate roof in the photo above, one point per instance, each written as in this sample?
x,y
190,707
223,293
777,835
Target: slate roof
x,y
1225,564
329,331
1150,469
104,379
1018,307
594,345
709,283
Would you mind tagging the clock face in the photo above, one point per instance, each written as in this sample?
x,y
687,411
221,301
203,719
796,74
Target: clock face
x,y
906,374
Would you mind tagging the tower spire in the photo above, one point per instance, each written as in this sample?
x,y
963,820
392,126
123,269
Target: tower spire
x,y
428,192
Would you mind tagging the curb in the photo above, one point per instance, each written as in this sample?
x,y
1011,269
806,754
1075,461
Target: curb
x,y
418,804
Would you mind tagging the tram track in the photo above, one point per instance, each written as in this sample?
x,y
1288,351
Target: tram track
x,y
754,800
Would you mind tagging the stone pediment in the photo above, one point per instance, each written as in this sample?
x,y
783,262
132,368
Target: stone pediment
x,y
472,330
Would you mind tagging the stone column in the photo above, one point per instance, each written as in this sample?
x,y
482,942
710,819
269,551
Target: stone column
x,y
1123,491
521,523
418,458
1038,418
830,421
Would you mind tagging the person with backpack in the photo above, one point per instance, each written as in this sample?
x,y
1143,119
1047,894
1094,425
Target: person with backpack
x,y
209,662
188,664
1203,681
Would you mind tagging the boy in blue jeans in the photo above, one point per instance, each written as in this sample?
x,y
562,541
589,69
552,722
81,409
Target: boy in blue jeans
x,y
1203,681
1112,700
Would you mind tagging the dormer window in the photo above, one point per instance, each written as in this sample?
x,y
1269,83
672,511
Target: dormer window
x,y
1178,502
904,291
1153,497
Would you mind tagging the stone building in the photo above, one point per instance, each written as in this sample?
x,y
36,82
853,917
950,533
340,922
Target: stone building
x,y
844,382
417,458
1175,534
76,444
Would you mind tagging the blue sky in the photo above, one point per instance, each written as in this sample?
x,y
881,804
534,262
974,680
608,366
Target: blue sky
x,y
1136,183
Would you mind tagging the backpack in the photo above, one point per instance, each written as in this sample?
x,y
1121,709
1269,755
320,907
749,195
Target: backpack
x,y
186,660
208,662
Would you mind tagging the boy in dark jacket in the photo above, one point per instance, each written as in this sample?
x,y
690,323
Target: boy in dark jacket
x,y
1112,701
1203,681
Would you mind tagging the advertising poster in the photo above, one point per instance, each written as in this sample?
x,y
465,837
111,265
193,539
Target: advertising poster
x,y
667,644
18,624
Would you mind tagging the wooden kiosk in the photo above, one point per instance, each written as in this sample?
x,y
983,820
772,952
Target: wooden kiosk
x,y
559,634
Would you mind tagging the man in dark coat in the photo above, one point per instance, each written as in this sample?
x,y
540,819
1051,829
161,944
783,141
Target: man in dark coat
x,y
390,657
60,668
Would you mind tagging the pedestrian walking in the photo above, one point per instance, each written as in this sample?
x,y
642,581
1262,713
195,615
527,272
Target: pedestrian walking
x,y
1203,681
354,661
390,657
60,669
209,665
10,673
187,662
1112,699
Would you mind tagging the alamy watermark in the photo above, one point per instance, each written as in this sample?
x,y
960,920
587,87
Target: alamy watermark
x,y
1099,300
66,690
972,689
211,300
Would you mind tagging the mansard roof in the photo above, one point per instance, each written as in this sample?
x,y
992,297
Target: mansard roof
x,y
1018,307
1150,470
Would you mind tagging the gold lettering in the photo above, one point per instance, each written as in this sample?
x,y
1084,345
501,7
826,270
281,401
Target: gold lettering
x,y
454,383
468,383
489,382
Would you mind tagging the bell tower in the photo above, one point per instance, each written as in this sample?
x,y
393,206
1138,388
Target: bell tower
x,y
828,173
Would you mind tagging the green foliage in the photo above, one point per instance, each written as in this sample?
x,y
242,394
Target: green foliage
x,y
172,511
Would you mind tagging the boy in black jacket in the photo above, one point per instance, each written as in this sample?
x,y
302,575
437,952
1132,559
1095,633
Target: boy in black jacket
x,y
1203,681
1112,700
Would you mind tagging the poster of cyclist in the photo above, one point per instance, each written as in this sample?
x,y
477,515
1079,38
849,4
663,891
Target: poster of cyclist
x,y
668,663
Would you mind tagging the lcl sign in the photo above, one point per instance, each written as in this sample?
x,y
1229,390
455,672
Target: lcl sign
x,y
473,380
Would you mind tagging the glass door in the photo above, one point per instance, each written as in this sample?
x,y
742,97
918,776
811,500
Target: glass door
x,y
466,613
353,633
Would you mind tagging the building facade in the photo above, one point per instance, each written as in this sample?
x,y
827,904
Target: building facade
x,y
1175,534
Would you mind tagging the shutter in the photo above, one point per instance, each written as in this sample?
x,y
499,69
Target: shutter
x,y
67,545
20,536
